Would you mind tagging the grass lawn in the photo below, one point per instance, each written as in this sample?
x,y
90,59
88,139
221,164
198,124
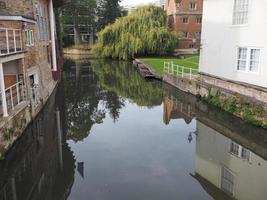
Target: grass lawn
x,y
157,64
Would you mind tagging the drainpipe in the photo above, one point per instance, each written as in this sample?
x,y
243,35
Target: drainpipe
x,y
3,90
52,32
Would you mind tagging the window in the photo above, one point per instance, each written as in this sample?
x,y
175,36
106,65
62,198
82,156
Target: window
x,y
197,35
254,59
227,181
242,59
240,15
234,148
191,46
239,151
185,20
245,154
185,34
199,20
29,38
248,59
42,22
193,6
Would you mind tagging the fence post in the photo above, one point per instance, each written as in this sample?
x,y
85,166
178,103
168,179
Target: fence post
x,y
190,73
177,72
182,71
20,37
18,94
7,42
14,36
11,97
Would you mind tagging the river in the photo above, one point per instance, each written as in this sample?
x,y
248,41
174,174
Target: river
x,y
107,134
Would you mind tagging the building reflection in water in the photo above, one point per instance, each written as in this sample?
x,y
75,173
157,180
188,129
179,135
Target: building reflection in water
x,y
230,159
39,166
175,109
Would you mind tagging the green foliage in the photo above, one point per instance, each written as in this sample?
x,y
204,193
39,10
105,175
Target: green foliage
x,y
81,15
107,12
251,113
7,133
142,32
122,79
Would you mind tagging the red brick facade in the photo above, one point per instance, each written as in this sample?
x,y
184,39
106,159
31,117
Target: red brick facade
x,y
28,21
185,17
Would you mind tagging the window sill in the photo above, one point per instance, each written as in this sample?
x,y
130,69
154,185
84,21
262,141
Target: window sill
x,y
248,72
239,26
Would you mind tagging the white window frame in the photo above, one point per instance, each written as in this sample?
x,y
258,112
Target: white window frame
x,y
187,21
240,12
29,38
248,59
240,149
199,20
193,6
185,33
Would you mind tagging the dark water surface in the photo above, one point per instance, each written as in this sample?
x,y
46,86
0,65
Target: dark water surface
x,y
127,139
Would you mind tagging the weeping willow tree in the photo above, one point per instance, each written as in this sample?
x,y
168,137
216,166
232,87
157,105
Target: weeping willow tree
x,y
142,32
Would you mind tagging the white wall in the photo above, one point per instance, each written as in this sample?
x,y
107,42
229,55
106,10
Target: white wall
x,y
212,153
220,40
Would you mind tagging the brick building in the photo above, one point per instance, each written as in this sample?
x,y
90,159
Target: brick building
x,y
185,17
28,58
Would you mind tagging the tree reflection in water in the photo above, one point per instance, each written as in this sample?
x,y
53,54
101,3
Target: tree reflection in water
x,y
99,87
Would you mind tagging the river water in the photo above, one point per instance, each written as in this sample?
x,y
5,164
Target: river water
x,y
107,134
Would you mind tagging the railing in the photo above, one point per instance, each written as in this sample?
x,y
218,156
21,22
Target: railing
x,y
14,96
177,70
10,41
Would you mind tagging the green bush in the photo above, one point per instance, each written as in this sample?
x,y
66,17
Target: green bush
x,y
249,112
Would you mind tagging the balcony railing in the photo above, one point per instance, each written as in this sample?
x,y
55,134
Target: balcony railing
x,y
14,96
10,41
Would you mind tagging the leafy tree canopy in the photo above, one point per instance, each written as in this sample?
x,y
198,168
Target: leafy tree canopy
x,y
142,32
107,12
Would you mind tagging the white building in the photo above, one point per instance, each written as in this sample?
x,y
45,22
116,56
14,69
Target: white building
x,y
230,167
234,40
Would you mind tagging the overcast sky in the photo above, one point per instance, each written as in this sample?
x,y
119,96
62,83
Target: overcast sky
x,y
135,2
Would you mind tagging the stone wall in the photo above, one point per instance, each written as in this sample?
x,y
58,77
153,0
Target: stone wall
x,y
249,101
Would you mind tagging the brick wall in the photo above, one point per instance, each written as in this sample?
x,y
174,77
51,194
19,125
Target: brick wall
x,y
177,12
23,8
38,56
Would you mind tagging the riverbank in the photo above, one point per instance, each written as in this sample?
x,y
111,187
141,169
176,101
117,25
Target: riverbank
x,y
236,99
79,50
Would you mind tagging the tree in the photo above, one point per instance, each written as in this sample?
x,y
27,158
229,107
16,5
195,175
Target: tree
x,y
143,32
81,15
107,12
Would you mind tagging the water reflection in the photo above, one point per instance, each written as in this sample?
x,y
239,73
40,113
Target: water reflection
x,y
230,160
99,87
38,166
112,120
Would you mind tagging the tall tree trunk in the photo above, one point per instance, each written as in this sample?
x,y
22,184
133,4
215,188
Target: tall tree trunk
x,y
77,35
